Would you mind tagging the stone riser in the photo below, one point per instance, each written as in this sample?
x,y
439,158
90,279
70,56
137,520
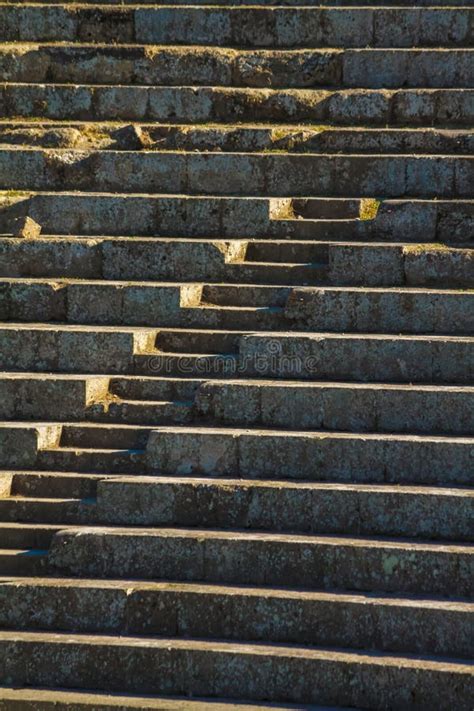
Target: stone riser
x,y
364,358
29,537
112,461
351,107
98,436
430,514
207,612
288,455
375,4
366,311
341,407
60,485
91,214
210,66
276,175
105,261
201,669
314,456
272,27
47,511
359,358
21,563
321,139
45,700
276,559
60,350
326,406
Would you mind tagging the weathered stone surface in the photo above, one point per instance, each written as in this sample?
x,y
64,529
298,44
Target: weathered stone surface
x,y
236,344
308,455
27,228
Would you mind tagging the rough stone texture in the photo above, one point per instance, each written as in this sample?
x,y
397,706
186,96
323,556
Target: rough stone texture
x,y
236,355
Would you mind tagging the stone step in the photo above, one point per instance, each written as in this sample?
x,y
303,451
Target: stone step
x,y
404,310
143,388
245,317
288,616
94,215
352,357
313,456
85,435
51,511
235,138
244,26
292,405
212,342
44,397
338,406
189,104
182,364
287,673
276,273
42,484
322,455
253,295
108,461
332,619
316,356
131,64
154,260
275,559
147,412
28,445
360,510
27,537
257,174
22,562
382,310
375,4
118,299
62,348
414,359
47,699
38,442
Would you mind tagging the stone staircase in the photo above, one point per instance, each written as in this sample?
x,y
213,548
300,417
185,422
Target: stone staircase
x,y
236,355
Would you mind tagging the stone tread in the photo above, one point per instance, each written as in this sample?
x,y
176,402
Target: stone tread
x,y
237,503
203,104
302,615
250,137
450,675
48,700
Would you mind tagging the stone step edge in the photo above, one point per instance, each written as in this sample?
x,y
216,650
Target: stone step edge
x,y
215,382
65,532
58,282
276,155
18,195
74,531
430,602
24,122
440,490
440,664
154,331
43,699
49,433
